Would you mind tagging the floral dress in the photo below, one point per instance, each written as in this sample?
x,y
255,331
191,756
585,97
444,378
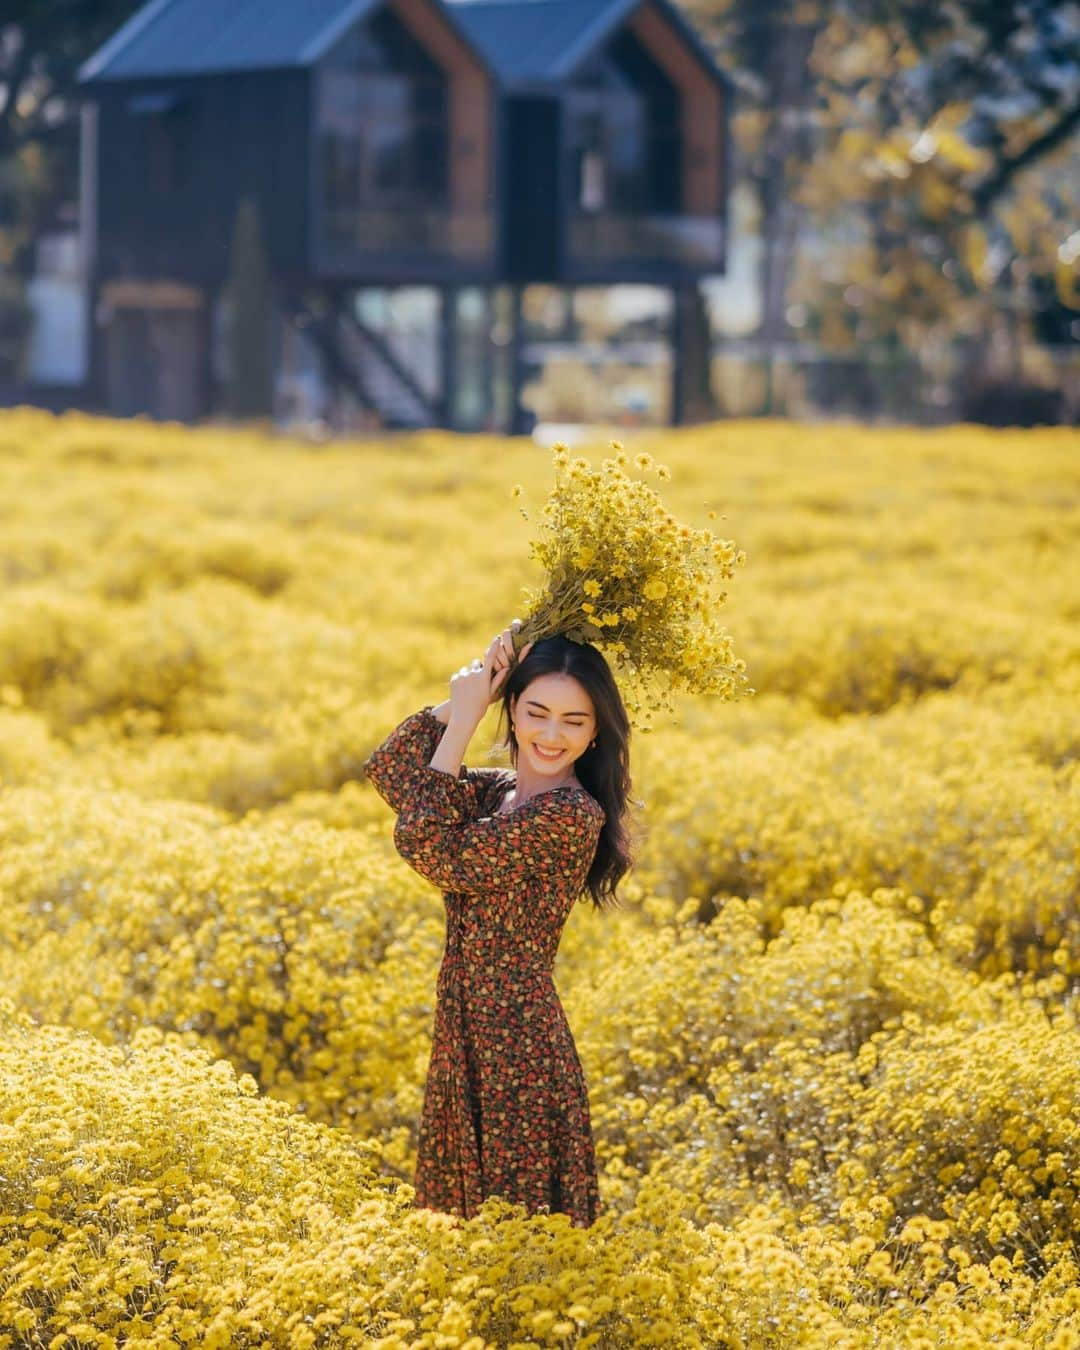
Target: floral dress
x,y
506,1108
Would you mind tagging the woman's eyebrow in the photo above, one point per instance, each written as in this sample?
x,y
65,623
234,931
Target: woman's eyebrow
x,y
534,704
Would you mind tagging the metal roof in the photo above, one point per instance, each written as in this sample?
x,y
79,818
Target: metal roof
x,y
197,37
544,41
522,42
527,40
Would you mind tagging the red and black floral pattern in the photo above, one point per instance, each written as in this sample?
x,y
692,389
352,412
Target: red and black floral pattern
x,y
506,1108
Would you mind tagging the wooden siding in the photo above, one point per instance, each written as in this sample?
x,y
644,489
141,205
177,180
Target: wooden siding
x,y
254,134
471,139
240,135
452,243
703,111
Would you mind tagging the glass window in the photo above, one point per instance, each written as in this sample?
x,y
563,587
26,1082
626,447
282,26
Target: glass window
x,y
383,119
592,188
625,135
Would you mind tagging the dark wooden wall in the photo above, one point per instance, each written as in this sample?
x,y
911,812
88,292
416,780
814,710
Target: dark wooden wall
x,y
169,181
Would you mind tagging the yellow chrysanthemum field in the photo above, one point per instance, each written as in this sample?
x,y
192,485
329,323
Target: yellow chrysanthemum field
x,y
830,1039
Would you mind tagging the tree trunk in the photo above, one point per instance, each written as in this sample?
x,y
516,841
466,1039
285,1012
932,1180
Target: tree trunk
x,y
789,137
692,399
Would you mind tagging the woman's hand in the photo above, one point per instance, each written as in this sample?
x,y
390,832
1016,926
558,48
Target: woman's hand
x,y
502,652
475,687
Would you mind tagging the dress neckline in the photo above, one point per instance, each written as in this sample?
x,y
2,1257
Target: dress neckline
x,y
547,792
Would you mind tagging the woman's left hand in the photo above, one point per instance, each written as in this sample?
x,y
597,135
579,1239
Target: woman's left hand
x,y
475,687
503,657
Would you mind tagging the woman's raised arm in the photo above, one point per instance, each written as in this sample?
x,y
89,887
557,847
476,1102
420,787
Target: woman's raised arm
x,y
439,736
392,768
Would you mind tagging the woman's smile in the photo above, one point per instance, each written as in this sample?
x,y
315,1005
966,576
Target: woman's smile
x,y
553,721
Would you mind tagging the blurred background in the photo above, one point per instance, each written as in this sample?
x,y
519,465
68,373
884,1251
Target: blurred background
x,y
487,215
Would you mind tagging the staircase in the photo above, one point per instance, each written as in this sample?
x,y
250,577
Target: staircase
x,y
395,393
368,367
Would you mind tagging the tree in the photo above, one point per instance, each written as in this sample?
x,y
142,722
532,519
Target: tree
x,y
766,48
949,127
42,45
250,384
920,152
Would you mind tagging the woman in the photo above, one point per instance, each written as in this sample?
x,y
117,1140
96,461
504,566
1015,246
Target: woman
x,y
506,1109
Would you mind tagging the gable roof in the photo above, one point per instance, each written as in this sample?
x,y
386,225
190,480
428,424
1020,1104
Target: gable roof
x,y
541,42
200,37
527,40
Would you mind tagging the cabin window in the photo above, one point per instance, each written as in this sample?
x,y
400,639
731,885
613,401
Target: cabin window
x,y
383,123
625,134
592,189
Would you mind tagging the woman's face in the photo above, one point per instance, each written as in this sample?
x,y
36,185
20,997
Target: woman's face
x,y
554,721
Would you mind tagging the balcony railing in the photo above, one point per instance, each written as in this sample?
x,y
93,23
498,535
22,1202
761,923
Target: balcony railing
x,y
596,238
431,233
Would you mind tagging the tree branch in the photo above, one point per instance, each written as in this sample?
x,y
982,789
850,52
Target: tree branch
x,y
990,189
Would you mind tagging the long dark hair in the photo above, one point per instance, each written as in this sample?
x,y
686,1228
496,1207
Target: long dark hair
x,y
604,769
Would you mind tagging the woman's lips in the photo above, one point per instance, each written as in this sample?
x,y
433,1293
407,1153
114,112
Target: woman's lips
x,y
544,754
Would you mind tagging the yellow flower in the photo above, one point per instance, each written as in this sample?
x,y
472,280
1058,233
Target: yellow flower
x,y
978,1276
647,554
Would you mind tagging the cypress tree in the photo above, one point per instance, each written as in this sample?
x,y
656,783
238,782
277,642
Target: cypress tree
x,y
250,388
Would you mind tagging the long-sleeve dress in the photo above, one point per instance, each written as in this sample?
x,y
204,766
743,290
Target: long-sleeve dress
x,y
506,1108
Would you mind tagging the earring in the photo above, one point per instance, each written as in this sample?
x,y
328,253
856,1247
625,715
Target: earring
x,y
592,744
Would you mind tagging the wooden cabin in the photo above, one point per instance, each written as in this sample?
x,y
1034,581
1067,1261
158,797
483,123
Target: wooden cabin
x,y
469,146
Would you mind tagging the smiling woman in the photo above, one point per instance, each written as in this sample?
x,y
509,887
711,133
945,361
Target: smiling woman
x,y
553,724
506,1108
567,723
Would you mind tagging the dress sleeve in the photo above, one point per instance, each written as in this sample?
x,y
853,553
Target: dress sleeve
x,y
552,837
394,768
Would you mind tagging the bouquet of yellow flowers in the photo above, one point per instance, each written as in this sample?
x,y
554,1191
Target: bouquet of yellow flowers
x,y
624,574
